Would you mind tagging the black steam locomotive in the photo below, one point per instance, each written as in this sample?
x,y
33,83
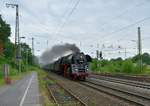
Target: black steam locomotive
x,y
74,66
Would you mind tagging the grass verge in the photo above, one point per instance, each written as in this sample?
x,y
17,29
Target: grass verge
x,y
42,75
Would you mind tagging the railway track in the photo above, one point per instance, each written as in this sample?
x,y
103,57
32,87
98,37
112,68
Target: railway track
x,y
87,95
127,95
139,78
75,101
123,81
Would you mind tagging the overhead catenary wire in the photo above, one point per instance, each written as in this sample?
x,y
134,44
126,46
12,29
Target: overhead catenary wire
x,y
118,16
63,16
123,13
3,3
129,39
69,15
126,27
46,28
70,4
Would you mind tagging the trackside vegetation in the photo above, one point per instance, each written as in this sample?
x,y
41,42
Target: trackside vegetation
x,y
43,81
118,65
7,54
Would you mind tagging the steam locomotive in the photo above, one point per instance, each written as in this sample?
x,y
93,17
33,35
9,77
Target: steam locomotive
x,y
74,66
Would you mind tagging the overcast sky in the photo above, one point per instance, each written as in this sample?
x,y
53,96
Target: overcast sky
x,y
91,25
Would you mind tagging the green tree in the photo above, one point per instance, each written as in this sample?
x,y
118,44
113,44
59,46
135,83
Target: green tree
x,y
9,49
26,53
145,58
117,59
5,30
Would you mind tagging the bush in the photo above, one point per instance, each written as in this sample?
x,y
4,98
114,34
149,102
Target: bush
x,y
94,65
118,66
127,67
108,68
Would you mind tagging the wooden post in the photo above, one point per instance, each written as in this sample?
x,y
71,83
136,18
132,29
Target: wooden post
x,y
6,70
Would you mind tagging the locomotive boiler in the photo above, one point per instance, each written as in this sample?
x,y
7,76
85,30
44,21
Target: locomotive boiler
x,y
74,66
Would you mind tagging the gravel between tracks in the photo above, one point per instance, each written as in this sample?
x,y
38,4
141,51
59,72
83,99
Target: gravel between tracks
x,y
136,90
61,96
89,96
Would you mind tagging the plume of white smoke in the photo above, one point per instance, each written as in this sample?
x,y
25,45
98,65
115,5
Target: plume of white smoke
x,y
56,52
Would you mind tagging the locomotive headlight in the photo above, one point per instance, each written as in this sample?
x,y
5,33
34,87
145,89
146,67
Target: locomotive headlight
x,y
76,69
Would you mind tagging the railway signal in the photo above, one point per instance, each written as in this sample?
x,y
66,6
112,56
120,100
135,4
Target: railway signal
x,y
100,55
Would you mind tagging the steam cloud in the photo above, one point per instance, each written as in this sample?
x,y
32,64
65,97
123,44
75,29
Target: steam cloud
x,y
58,51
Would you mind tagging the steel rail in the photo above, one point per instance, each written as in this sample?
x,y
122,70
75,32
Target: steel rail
x,y
126,82
77,98
73,95
51,93
125,95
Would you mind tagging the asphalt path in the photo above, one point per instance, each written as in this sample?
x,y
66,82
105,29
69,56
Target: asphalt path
x,y
23,93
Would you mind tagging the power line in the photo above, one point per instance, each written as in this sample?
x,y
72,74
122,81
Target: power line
x,y
69,15
123,39
44,27
118,16
66,11
64,15
125,27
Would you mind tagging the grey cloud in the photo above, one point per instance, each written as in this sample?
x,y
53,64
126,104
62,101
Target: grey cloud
x,y
90,22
